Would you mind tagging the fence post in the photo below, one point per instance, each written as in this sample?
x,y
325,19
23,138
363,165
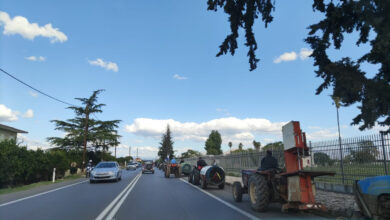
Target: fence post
x,y
341,161
384,152
311,155
54,175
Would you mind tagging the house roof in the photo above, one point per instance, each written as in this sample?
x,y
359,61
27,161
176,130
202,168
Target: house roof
x,y
8,128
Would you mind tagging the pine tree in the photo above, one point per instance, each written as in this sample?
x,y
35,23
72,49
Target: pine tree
x,y
99,134
166,146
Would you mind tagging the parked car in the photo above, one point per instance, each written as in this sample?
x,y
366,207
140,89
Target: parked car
x,y
148,167
107,170
131,166
139,164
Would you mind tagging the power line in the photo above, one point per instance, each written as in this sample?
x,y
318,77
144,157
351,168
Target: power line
x,y
45,94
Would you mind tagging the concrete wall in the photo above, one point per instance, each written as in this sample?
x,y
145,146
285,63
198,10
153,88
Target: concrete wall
x,y
5,134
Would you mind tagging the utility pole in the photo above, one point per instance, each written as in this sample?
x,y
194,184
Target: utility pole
x,y
137,152
85,134
129,151
115,151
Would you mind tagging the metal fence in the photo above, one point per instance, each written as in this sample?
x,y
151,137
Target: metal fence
x,y
352,159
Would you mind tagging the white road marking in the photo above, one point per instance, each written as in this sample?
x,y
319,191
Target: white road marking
x,y
119,204
39,194
247,214
108,208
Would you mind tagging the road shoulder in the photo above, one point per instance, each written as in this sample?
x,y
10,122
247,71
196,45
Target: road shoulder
x,y
5,198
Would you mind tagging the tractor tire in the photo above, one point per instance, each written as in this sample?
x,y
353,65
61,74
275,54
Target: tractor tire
x,y
221,186
177,173
166,174
190,178
196,178
258,191
237,191
203,184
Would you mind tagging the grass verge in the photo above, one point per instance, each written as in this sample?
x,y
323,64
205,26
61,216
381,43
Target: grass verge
x,y
34,185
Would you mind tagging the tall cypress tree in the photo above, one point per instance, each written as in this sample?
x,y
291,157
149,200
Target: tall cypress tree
x,y
166,145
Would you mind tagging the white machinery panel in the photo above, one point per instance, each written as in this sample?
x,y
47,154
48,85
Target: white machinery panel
x,y
288,135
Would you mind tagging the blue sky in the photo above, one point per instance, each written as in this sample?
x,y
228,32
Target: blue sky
x,y
157,63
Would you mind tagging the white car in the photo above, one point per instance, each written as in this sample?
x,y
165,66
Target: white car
x,y
131,166
107,170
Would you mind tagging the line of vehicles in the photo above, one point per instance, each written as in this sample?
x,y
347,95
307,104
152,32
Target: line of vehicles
x,y
112,171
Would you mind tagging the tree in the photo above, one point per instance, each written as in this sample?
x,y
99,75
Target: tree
x,y
166,146
84,130
230,146
213,143
276,146
366,153
190,153
240,146
350,83
256,145
322,159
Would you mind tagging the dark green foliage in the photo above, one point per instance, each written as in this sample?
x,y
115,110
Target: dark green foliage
x,y
322,159
256,145
166,146
213,143
369,18
20,166
240,146
100,134
276,146
242,14
366,153
190,153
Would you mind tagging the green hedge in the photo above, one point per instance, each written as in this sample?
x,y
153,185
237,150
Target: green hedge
x,y
21,166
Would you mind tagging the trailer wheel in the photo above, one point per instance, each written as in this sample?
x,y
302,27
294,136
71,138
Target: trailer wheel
x,y
196,178
221,186
237,191
203,184
258,193
190,178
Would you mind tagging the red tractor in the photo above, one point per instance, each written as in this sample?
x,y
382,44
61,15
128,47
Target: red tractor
x,y
292,186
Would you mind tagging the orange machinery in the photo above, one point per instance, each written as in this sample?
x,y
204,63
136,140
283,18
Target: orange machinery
x,y
300,185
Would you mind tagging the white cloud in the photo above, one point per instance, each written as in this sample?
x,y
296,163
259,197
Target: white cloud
x,y
33,94
177,76
20,25
36,58
33,144
106,65
28,114
305,53
288,56
144,152
7,114
231,128
322,134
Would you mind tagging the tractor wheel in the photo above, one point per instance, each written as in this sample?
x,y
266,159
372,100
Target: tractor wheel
x,y
203,184
221,186
196,178
166,174
237,191
177,173
190,177
258,192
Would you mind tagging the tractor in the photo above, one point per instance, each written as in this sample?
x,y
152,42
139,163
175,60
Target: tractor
x,y
172,168
208,175
292,186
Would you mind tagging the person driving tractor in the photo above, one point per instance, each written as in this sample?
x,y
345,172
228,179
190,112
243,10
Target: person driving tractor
x,y
200,163
268,162
173,162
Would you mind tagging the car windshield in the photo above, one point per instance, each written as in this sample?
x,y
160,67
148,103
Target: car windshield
x,y
105,165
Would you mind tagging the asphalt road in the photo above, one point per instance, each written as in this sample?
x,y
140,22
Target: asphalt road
x,y
147,196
